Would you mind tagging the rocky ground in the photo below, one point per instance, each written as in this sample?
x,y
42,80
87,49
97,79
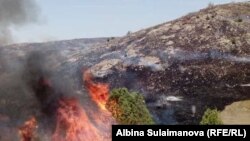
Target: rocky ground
x,y
200,60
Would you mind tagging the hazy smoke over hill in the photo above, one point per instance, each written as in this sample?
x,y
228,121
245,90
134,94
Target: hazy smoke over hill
x,y
15,13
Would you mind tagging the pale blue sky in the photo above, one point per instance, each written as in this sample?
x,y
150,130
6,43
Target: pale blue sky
x,y
68,19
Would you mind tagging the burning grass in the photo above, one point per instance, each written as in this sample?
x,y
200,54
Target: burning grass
x,y
73,124
27,131
70,120
99,92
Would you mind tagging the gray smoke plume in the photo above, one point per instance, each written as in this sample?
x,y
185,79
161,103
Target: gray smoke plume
x,y
16,13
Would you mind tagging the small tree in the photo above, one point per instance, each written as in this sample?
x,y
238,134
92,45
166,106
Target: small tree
x,y
128,107
211,117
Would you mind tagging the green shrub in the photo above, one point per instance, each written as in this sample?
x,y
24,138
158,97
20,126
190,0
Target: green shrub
x,y
128,107
211,117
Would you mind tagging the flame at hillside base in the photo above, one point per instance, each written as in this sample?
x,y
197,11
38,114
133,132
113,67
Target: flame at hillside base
x,y
27,131
99,92
73,124
71,120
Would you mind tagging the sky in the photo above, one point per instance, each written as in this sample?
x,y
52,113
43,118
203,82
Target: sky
x,y
70,19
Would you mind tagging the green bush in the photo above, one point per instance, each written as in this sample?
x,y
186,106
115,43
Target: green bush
x,y
211,117
128,107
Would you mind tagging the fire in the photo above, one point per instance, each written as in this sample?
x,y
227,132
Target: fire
x,y
99,92
27,131
73,123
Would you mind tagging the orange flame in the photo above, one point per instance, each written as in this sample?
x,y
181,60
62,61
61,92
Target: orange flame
x,y
27,130
73,124
99,92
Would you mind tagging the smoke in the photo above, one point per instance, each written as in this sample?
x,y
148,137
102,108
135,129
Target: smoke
x,y
16,13
23,79
33,85
176,54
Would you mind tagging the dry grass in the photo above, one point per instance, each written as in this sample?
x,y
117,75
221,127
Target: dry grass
x,y
236,113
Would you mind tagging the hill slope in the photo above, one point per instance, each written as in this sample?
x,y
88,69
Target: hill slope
x,y
202,57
